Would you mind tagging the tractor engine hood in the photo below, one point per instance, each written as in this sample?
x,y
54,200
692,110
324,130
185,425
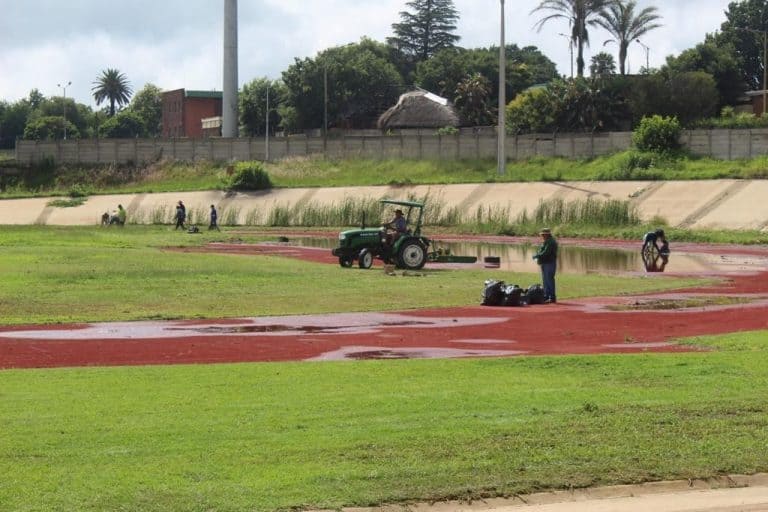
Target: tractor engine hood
x,y
364,234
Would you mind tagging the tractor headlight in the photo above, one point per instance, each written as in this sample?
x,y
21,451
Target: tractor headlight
x,y
342,237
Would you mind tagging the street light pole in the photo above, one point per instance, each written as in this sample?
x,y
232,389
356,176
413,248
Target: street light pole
x,y
266,132
570,48
325,100
647,58
502,129
65,105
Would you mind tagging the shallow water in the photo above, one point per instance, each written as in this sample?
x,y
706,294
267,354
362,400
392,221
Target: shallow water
x,y
571,259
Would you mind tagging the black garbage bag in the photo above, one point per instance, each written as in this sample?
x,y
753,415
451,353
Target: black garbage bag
x,y
534,294
513,296
493,293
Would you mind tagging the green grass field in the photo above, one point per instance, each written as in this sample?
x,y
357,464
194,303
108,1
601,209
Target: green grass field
x,y
71,274
324,435
279,436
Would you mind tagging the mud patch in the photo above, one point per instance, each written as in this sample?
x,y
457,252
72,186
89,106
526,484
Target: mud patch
x,y
375,353
681,303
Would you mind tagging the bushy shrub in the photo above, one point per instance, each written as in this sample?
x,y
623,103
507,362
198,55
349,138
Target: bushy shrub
x,y
448,130
658,134
50,127
250,176
125,125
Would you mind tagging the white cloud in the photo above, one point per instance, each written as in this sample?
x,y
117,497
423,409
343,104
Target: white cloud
x,y
177,43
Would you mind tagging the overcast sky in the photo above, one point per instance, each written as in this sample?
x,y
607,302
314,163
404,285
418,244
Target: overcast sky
x,y
178,43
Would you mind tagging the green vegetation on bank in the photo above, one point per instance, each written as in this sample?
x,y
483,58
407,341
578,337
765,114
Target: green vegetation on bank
x,y
47,179
326,435
100,274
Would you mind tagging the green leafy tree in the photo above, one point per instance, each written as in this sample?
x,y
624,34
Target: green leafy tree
x,y
620,19
602,65
717,59
147,104
567,106
580,14
742,19
253,106
426,29
443,72
473,99
35,98
112,86
76,113
362,83
50,128
13,119
123,125
688,96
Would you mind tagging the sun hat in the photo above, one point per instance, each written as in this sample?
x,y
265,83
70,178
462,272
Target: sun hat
x,y
545,231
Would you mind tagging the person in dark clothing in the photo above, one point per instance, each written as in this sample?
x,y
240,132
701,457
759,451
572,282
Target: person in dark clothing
x,y
652,238
546,257
214,219
181,215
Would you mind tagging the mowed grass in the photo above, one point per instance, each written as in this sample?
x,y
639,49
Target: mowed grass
x,y
58,274
325,435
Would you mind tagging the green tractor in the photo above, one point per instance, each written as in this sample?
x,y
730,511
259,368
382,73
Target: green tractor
x,y
406,250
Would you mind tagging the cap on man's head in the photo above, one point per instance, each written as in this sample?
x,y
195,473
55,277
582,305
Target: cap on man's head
x,y
398,211
545,231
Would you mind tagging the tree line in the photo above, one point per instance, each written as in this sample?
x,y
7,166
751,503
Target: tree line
x,y
349,86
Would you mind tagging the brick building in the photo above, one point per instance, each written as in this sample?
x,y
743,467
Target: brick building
x,y
184,111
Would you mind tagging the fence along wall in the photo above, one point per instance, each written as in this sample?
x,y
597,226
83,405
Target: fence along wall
x,y
719,144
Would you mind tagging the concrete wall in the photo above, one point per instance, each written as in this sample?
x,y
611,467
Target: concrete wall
x,y
718,204
719,144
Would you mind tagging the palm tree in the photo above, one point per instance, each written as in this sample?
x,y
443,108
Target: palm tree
x,y
112,85
620,21
580,14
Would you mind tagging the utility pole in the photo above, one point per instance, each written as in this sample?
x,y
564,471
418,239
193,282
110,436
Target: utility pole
x,y
647,57
502,129
266,132
65,105
570,49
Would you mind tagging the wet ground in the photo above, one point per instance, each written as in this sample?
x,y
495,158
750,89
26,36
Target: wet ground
x,y
597,325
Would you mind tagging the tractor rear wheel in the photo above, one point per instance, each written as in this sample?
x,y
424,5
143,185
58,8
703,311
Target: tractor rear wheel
x,y
412,255
365,259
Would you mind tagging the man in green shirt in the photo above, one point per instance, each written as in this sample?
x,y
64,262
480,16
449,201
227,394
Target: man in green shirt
x,y
546,257
121,215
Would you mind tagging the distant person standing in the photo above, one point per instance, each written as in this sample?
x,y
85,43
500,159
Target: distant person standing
x,y
546,257
214,219
181,215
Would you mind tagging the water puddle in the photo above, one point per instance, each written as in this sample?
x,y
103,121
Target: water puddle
x,y
377,353
340,323
680,303
518,257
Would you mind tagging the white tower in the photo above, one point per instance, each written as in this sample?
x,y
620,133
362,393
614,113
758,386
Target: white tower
x,y
230,120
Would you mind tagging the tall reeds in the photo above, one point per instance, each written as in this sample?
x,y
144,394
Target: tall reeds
x,y
489,219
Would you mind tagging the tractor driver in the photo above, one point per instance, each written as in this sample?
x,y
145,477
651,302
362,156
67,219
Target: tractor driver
x,y
398,225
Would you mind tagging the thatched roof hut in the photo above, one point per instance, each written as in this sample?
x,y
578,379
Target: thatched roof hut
x,y
419,109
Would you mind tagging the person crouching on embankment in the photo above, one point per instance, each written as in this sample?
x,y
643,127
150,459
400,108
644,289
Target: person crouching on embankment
x,y
546,257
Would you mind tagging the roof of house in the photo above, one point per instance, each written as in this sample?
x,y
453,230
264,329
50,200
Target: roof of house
x,y
204,94
419,109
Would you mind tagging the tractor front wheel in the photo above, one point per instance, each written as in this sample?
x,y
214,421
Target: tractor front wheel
x,y
345,261
412,255
365,259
